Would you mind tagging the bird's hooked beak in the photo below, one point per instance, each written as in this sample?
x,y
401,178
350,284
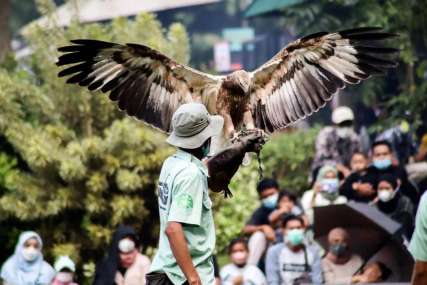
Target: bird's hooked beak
x,y
244,84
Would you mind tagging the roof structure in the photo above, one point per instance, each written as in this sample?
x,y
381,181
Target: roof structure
x,y
101,10
261,7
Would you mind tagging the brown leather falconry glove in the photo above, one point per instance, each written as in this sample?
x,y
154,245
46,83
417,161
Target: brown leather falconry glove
x,y
225,164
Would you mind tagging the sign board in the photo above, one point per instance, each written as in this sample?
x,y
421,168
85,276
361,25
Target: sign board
x,y
222,56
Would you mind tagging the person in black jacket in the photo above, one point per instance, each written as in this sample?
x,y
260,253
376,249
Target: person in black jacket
x,y
360,185
124,264
258,227
383,162
395,205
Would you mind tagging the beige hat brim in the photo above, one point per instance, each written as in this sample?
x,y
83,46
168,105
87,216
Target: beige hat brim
x,y
213,129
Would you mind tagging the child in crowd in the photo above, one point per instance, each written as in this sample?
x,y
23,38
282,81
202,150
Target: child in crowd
x,y
287,205
65,269
239,272
372,273
360,185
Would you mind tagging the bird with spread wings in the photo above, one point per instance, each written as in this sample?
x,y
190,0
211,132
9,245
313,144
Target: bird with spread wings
x,y
298,81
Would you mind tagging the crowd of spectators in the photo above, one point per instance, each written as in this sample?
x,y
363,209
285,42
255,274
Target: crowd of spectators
x,y
123,265
280,235
277,244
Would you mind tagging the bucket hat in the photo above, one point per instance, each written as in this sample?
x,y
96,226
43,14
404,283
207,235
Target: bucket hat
x,y
192,125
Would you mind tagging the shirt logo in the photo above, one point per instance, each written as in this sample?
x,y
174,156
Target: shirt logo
x,y
163,193
184,201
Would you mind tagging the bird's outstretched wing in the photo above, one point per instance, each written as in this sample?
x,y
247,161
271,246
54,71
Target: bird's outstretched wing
x,y
304,75
142,81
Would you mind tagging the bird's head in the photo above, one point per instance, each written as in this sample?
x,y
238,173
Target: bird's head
x,y
239,82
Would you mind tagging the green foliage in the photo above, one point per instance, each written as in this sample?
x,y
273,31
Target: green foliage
x,y
406,18
286,157
85,167
7,165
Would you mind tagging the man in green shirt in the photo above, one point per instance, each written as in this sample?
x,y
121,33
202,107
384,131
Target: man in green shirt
x,y
187,231
418,246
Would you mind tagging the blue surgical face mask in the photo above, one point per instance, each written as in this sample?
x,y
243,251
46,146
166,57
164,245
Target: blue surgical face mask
x,y
294,237
330,185
271,201
329,188
382,163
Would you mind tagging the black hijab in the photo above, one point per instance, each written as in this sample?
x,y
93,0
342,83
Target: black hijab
x,y
106,270
391,205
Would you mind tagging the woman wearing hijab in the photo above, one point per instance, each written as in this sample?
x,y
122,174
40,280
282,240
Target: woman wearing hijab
x,y
394,204
26,266
325,191
124,264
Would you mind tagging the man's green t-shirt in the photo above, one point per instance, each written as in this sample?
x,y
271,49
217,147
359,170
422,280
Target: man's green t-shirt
x,y
418,246
183,197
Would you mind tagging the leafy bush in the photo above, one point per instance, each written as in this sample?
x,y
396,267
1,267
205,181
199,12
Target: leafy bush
x,y
286,157
85,167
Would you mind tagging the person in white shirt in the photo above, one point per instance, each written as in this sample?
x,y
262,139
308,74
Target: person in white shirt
x,y
325,191
239,272
293,261
340,264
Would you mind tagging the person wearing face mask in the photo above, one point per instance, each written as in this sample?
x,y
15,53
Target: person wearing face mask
x,y
395,205
383,162
239,272
258,226
124,264
340,264
293,262
360,185
27,266
325,191
65,269
335,144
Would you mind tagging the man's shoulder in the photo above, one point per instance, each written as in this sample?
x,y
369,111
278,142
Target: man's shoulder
x,y
261,210
179,166
356,258
313,248
277,248
326,131
259,215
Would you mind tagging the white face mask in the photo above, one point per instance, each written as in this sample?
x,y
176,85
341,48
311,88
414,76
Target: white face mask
x,y
126,245
64,277
30,253
239,257
385,195
344,132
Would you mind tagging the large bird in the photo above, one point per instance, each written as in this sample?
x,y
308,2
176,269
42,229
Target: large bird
x,y
296,82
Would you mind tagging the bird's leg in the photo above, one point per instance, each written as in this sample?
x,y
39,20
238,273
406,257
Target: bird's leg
x,y
248,120
229,130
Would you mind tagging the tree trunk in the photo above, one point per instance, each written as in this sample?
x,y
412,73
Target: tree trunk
x,y
5,37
